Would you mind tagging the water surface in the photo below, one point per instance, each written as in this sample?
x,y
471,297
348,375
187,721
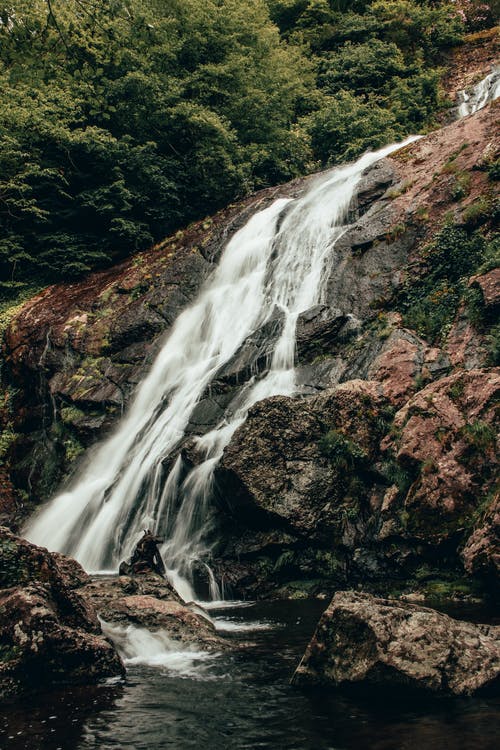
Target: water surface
x,y
242,700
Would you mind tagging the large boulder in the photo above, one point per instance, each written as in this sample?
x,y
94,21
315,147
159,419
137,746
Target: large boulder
x,y
340,486
48,633
382,643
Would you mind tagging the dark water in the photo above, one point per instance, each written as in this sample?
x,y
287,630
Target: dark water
x,y
243,700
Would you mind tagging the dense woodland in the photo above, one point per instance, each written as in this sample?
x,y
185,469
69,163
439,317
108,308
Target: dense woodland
x,y
122,120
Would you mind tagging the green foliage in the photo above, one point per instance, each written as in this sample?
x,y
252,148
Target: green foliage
x,y
429,302
460,186
122,120
343,453
395,474
493,341
378,67
481,435
7,439
494,170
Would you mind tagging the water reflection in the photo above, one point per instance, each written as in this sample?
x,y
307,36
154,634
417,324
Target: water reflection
x,y
246,703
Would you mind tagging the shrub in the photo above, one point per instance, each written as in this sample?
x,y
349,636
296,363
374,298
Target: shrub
x,y
344,454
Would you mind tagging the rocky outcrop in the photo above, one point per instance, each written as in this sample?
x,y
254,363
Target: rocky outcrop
x,y
48,633
380,643
355,491
481,554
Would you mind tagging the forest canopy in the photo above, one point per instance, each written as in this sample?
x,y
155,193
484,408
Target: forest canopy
x,y
122,120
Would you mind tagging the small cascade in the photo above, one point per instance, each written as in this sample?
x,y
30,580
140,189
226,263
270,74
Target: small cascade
x,y
138,646
480,95
278,264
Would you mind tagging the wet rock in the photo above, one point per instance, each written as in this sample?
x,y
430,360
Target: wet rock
x,y
146,558
150,602
374,183
319,328
383,643
253,357
378,495
182,623
48,633
299,485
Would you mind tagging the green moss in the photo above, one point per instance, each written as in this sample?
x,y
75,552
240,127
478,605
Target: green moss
x,y
7,439
422,213
394,474
429,301
10,308
8,652
13,571
493,344
286,559
395,232
73,448
478,212
71,414
460,186
494,170
442,590
343,453
481,435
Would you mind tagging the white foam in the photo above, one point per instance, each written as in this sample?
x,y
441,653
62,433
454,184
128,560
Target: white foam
x,y
138,646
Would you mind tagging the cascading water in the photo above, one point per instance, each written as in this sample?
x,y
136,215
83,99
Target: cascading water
x,y
480,95
278,263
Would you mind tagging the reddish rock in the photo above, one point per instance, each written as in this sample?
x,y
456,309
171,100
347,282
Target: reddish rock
x,y
49,633
403,359
470,62
382,643
150,602
481,554
465,346
489,284
39,649
276,455
448,431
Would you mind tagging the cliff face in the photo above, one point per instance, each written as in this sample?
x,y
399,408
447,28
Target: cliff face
x,y
384,467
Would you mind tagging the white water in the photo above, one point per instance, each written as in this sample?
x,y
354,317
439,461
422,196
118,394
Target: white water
x,y
280,261
156,649
480,95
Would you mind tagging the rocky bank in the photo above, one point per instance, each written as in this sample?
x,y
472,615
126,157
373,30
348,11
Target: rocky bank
x,y
51,613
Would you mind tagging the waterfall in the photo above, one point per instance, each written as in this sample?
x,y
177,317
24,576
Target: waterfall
x,y
277,264
480,95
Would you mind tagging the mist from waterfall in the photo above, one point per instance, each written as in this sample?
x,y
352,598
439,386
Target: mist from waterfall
x,y
278,264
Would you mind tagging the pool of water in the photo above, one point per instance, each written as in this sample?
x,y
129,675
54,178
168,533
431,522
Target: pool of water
x,y
242,700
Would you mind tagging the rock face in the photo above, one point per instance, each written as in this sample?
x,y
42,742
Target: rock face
x,y
48,632
379,643
361,492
